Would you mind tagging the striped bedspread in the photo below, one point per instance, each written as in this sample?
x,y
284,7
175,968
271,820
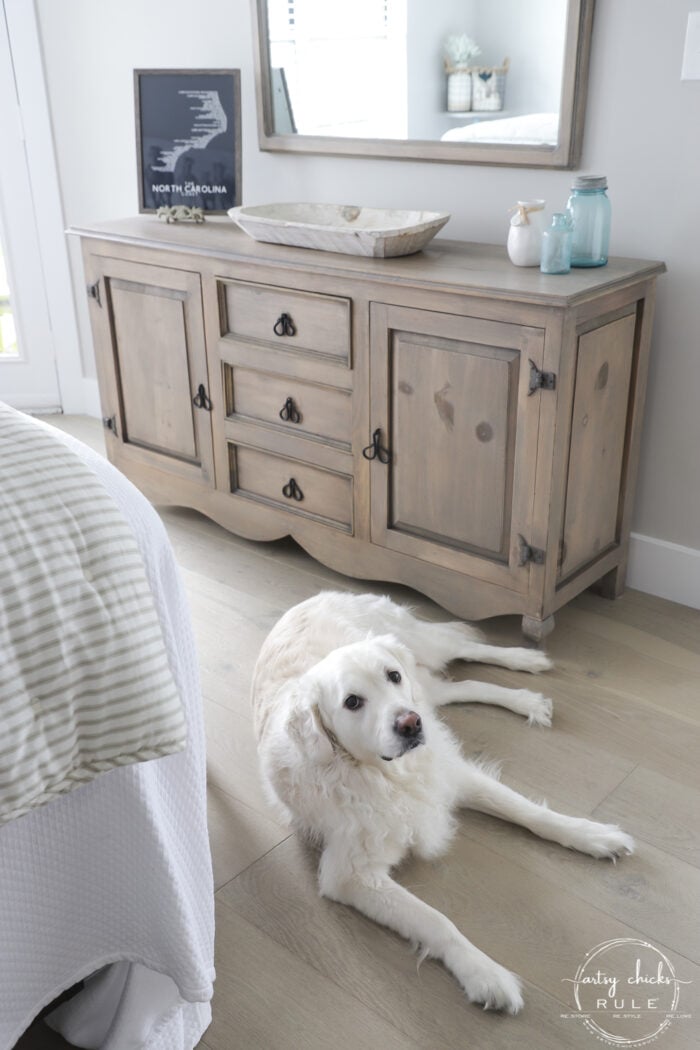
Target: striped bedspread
x,y
84,678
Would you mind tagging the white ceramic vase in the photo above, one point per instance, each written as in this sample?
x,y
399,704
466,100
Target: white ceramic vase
x,y
525,233
459,91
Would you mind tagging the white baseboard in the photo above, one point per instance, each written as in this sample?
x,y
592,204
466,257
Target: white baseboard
x,y
664,569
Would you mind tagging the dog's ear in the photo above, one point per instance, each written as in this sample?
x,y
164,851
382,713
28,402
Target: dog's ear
x,y
399,651
305,725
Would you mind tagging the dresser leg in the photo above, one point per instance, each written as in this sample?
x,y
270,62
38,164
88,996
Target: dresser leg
x,y
612,585
537,629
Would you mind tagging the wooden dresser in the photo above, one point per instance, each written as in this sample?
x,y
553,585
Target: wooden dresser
x,y
445,420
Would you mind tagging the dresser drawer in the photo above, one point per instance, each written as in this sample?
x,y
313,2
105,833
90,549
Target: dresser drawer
x,y
303,321
305,409
291,485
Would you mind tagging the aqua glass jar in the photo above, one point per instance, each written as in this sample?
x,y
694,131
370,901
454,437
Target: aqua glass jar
x,y
589,211
556,245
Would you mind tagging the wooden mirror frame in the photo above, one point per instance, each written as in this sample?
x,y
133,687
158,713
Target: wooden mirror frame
x,y
565,154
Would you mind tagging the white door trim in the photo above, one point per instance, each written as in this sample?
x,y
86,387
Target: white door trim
x,y
30,78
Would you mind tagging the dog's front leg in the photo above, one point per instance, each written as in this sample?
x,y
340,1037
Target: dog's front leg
x,y
535,707
374,893
481,790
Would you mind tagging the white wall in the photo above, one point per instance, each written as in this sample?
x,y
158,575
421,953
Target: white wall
x,y
426,31
641,130
526,33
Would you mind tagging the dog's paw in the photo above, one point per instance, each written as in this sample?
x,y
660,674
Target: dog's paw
x,y
496,988
537,661
537,708
602,840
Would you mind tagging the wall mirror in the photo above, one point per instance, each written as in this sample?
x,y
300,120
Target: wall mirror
x,y
370,78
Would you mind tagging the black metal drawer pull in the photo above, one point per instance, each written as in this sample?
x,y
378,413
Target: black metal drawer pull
x,y
376,450
292,491
284,325
200,399
289,412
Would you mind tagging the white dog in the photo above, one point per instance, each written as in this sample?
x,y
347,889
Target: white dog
x,y
352,751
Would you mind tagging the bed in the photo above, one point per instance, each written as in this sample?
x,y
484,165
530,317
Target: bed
x,y
109,882
532,129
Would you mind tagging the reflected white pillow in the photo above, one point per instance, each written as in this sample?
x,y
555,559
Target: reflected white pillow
x,y
533,129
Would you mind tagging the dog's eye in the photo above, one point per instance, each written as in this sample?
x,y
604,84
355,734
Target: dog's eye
x,y
394,677
353,703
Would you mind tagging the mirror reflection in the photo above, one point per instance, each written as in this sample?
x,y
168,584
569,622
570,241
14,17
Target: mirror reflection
x,y
466,71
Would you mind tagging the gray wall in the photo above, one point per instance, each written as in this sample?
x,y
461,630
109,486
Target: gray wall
x,y
641,130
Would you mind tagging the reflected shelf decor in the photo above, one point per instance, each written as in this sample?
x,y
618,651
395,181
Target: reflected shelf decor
x,y
384,82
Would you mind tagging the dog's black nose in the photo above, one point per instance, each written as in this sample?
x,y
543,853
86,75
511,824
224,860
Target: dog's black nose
x,y
408,725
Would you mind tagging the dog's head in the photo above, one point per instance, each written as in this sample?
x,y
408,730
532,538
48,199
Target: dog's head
x,y
364,696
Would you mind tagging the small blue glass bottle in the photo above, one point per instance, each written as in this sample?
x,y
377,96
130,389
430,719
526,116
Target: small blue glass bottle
x,y
589,210
556,245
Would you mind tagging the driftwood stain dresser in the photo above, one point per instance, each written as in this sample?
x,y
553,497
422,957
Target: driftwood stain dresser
x,y
444,420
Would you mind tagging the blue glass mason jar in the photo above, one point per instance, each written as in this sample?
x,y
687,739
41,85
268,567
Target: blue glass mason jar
x,y
589,210
556,245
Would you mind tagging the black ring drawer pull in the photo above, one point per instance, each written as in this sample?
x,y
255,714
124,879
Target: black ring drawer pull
x,y
292,491
200,399
284,325
376,450
289,412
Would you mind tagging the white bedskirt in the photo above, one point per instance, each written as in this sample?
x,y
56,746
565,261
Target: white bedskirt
x,y
118,871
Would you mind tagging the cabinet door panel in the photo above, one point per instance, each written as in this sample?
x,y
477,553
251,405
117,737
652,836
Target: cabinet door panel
x,y
598,430
451,398
149,337
449,444
155,386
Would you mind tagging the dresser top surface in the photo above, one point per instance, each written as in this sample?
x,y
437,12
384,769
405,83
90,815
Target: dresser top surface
x,y
451,265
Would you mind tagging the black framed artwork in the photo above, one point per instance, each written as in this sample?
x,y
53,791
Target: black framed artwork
x,y
188,138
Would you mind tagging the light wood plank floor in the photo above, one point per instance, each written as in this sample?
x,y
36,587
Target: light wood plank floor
x,y
299,973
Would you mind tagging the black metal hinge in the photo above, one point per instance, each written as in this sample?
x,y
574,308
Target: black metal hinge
x,y
93,291
530,554
541,380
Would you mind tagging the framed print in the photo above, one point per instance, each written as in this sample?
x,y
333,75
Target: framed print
x,y
188,138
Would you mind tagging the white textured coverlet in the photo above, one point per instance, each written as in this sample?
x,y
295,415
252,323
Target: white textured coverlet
x,y
85,683
119,870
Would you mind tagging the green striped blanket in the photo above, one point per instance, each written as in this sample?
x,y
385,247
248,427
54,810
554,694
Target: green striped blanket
x,y
85,683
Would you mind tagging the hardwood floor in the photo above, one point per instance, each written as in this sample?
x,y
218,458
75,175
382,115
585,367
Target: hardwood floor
x,y
296,972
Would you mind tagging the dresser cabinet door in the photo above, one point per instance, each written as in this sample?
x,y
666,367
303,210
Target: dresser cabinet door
x,y
599,442
454,421
149,338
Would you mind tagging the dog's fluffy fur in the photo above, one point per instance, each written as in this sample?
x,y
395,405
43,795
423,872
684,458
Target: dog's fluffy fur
x,y
344,693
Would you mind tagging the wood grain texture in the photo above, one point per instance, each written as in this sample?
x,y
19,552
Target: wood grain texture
x,y
451,396
320,323
598,432
255,1004
468,442
463,268
158,410
483,466
319,412
298,487
659,809
151,361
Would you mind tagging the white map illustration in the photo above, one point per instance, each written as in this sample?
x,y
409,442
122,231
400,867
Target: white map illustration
x,y
209,120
